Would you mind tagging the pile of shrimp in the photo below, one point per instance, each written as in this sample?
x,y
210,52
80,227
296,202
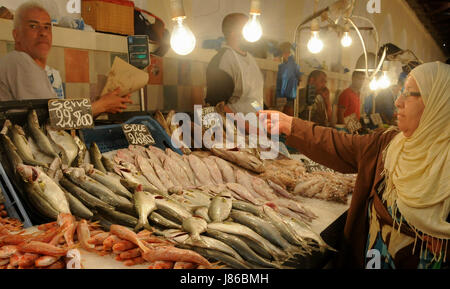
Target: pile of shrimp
x,y
47,248
9,224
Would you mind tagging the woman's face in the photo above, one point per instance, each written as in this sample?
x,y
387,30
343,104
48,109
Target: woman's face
x,y
410,107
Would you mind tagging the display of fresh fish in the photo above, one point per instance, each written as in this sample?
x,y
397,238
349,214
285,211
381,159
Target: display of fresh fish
x,y
220,207
76,206
37,153
203,213
172,208
194,226
279,189
264,229
226,169
243,178
200,170
241,230
243,193
108,164
240,246
214,170
110,182
46,187
65,143
177,173
162,221
145,205
79,177
96,157
41,140
23,148
119,217
148,171
87,199
263,189
11,151
241,158
248,207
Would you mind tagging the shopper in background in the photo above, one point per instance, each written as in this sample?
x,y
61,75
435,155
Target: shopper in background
x,y
349,100
401,202
321,109
288,78
22,71
233,76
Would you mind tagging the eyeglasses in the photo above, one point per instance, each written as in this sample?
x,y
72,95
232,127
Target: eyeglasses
x,y
405,94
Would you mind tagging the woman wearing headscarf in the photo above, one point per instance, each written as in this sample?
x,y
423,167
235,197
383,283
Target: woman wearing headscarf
x,y
399,213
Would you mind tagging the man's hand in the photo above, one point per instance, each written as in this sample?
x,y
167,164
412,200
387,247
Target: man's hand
x,y
284,122
111,103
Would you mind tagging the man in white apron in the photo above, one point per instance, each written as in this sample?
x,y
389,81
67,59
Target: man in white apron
x,y
233,76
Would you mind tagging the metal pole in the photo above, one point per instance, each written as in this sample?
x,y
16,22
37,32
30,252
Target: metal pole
x,y
142,98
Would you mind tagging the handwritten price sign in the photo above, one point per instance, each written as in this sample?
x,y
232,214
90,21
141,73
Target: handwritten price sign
x,y
70,113
137,134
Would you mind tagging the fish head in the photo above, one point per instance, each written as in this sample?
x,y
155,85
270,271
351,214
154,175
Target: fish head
x,y
28,173
88,168
75,172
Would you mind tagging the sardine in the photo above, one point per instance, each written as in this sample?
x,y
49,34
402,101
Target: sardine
x,y
82,149
244,193
220,207
222,257
162,221
78,176
241,230
108,164
172,208
110,182
226,169
11,151
120,218
87,199
194,226
65,143
145,205
241,158
41,140
96,157
47,188
263,228
200,170
214,170
23,148
203,213
247,207
240,246
148,171
76,206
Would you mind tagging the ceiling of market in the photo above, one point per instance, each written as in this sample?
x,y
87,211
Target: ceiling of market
x,y
435,16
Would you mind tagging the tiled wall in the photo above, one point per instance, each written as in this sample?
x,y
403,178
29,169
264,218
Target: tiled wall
x,y
173,83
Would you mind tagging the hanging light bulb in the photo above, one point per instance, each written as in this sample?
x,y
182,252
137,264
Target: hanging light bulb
x,y
346,40
373,85
315,45
252,30
384,81
182,40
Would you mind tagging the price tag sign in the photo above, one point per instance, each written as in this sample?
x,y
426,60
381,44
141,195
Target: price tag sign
x,y
138,134
376,119
68,114
351,123
210,117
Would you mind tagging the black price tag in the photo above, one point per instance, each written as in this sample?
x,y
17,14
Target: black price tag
x,y
210,117
352,124
138,134
68,114
376,119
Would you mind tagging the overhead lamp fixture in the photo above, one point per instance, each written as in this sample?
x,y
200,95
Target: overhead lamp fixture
x,y
182,39
252,30
315,45
373,85
346,40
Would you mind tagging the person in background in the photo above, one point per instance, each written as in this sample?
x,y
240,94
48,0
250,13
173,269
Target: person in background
x,y
321,109
232,75
288,78
349,100
22,71
400,205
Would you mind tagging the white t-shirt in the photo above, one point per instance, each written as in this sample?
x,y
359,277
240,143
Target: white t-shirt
x,y
21,78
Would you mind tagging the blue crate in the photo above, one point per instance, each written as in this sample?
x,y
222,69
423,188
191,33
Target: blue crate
x,y
111,137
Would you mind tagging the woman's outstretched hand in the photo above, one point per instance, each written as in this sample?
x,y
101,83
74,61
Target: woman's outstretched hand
x,y
277,118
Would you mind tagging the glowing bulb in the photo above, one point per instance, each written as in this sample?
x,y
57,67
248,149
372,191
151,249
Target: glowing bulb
x,y
252,30
346,40
384,81
182,39
373,85
315,45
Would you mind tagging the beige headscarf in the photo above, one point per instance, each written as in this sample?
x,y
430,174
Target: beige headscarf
x,y
417,167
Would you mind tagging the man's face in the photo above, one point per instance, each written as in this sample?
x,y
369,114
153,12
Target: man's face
x,y
320,82
358,80
34,34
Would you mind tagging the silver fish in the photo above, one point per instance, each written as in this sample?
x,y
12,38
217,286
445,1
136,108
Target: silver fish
x,y
82,149
220,207
194,226
145,205
214,170
65,143
37,153
23,148
47,188
244,193
108,164
162,221
226,169
42,205
96,157
87,199
76,206
247,207
119,218
172,208
42,141
203,213
222,257
11,151
200,170
110,182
